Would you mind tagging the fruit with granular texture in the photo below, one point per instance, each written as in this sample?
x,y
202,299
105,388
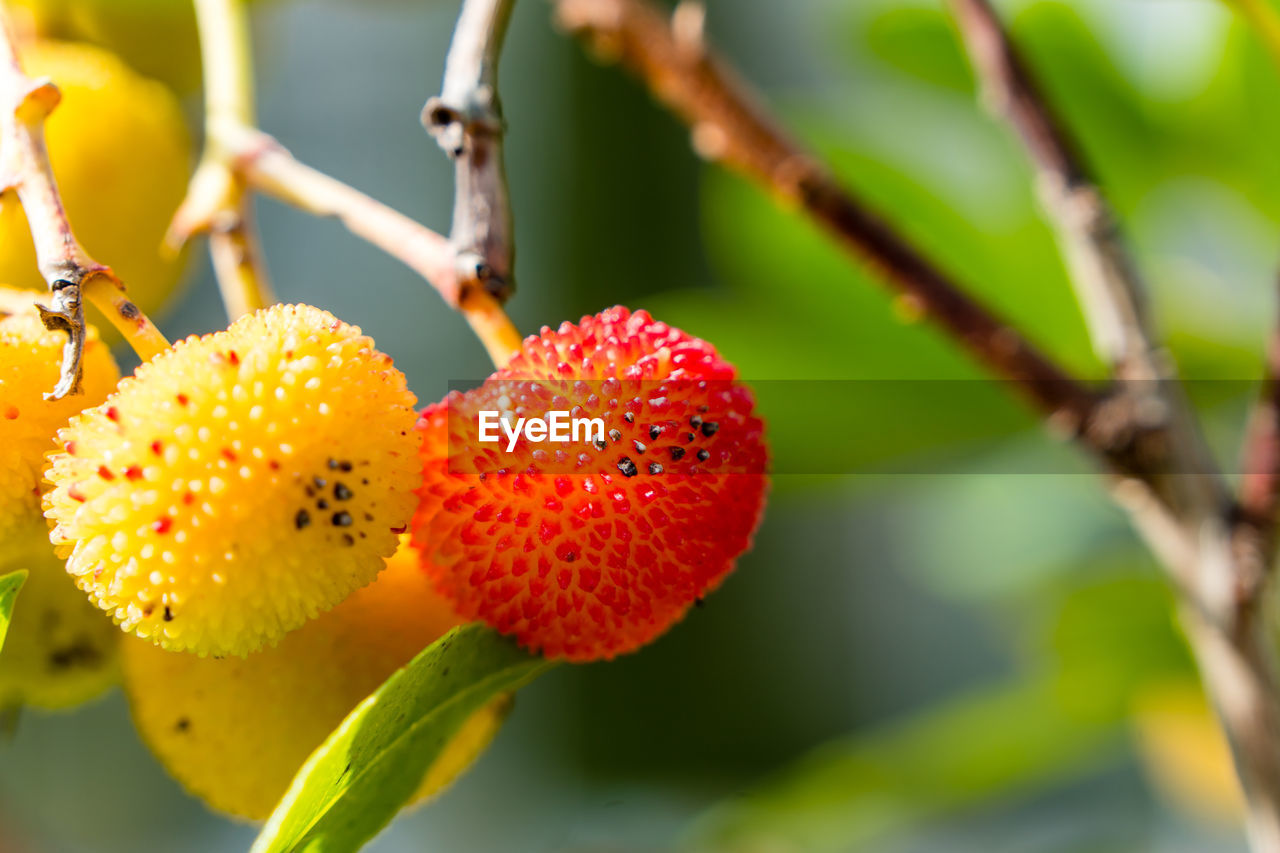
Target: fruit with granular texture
x,y
30,359
234,732
60,650
122,153
591,548
238,484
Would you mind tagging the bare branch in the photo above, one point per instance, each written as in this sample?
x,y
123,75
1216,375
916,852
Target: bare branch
x,y
1106,281
466,120
71,273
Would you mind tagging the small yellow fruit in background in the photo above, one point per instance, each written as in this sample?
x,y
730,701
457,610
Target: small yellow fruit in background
x,y
30,359
156,37
1185,754
121,154
60,650
234,731
238,484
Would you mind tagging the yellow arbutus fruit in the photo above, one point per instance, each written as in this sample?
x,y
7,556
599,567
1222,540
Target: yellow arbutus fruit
x,y
30,359
240,483
60,650
1184,752
122,154
235,731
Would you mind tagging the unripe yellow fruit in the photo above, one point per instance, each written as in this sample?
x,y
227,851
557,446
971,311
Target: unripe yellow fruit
x,y
234,731
240,483
30,360
121,154
60,650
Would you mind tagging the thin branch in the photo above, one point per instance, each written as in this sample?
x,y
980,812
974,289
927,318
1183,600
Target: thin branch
x,y
1225,581
217,202
466,120
1105,278
267,167
71,273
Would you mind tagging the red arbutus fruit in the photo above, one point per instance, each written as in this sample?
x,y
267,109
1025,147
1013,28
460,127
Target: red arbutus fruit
x,y
590,547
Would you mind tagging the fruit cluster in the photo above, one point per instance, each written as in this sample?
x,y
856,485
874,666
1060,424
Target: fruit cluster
x,y
274,527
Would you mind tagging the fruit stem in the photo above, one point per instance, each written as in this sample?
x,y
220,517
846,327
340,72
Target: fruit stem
x,y
466,121
264,165
71,273
218,203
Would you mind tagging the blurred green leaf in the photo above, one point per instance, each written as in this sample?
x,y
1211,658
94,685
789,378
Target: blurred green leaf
x,y
1002,742
354,783
919,42
10,584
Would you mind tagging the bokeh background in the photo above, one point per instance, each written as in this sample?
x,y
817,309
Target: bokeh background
x,y
973,656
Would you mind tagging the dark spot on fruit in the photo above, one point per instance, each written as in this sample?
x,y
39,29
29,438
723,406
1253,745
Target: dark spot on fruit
x,y
333,464
128,310
710,428
302,519
322,504
629,417
627,467
162,525
600,444
182,725
703,455
168,614
228,454
677,453
348,540
273,464
156,447
401,529
689,437
703,409
569,556
364,481
341,492
81,652
639,446
183,399
343,519
697,602
133,473
368,516
654,432
344,466
655,468
695,421
320,482
614,435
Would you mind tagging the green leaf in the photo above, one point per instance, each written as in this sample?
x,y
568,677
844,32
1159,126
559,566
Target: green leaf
x,y
9,586
353,785
1008,740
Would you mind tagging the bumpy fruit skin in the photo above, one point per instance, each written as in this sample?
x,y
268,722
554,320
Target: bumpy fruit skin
x,y
238,484
587,551
235,731
122,155
60,650
30,357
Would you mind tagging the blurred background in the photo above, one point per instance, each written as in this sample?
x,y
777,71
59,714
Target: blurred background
x,y
973,656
